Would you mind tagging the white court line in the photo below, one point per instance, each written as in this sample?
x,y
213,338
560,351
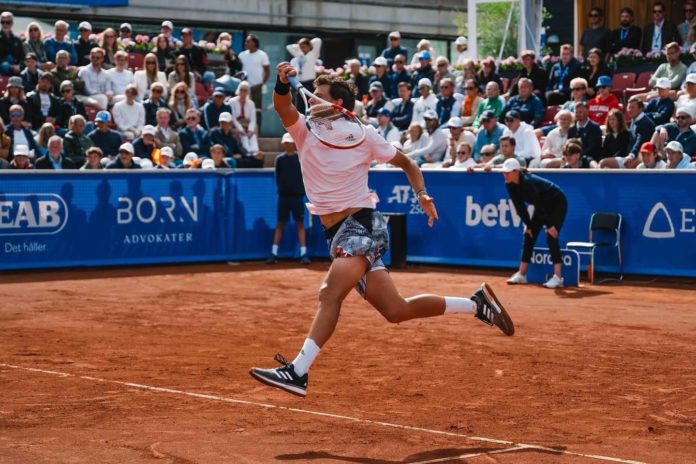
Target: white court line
x,y
472,455
516,446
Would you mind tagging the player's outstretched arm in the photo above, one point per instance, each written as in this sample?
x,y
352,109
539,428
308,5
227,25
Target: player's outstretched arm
x,y
282,98
415,178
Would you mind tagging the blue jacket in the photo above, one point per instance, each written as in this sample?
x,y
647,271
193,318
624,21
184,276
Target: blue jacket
x,y
53,47
560,76
190,139
211,113
109,142
591,136
686,138
390,53
641,131
660,110
531,110
484,138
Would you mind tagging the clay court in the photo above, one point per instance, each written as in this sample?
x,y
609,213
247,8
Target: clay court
x,y
150,364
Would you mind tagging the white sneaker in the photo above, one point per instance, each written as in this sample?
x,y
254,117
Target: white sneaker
x,y
554,282
517,278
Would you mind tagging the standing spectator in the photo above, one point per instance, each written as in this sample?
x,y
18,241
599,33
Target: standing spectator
x,y
212,110
402,111
305,54
676,158
552,151
164,51
257,66
182,74
166,30
659,33
377,102
463,53
673,69
64,72
471,102
45,107
93,162
605,101
165,135
129,114
574,159
97,80
22,158
488,73
436,148
291,193
180,101
398,74
385,128
587,131
416,138
562,73
489,133
193,137
359,80
232,62
244,118
660,109
593,68
225,135
394,48
125,31
84,43
76,143
422,46
121,78
11,49
14,95
447,106
109,44
146,146
197,57
493,102
685,28
154,102
531,70
650,158
425,71
125,158
528,105
60,41
30,74
578,93
144,78
617,137
103,136
679,131
381,76
18,130
442,71
55,159
527,144
596,35
628,35
426,102
34,43
641,131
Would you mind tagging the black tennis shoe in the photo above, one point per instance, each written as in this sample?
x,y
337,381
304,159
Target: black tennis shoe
x,y
283,377
490,311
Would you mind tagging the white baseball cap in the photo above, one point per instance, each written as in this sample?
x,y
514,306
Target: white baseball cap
x,y
190,158
425,82
149,130
168,24
287,138
686,110
126,26
430,114
208,164
84,25
225,116
167,151
23,150
127,147
461,40
380,61
510,165
691,78
396,34
455,122
663,83
675,146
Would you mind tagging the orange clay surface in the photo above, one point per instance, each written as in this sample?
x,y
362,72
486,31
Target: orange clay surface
x,y
607,371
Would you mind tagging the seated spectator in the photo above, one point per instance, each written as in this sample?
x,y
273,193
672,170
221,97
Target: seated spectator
x,y
109,44
164,51
436,148
427,101
628,35
488,73
45,107
380,64
552,151
528,105
121,77
448,104
166,160
5,145
507,150
593,69
225,135
673,69
376,102
30,74
402,111
463,160
360,80
588,131
154,102
688,99
64,72
471,102
641,131
532,71
604,102
573,157
617,137
385,128
217,154
526,142
650,158
97,80
93,161
84,43
45,132
676,158
493,102
165,135
144,78
34,43
193,137
103,136
567,69
22,158
660,109
55,159
75,142
422,46
60,41
424,71
124,159
146,146
180,102
457,134
191,160
416,138
197,57
679,131
442,71
182,74
14,95
488,134
398,74
129,114
692,51
18,130
468,72
578,93
212,110
488,152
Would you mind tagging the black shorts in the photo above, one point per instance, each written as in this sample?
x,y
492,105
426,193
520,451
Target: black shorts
x,y
290,204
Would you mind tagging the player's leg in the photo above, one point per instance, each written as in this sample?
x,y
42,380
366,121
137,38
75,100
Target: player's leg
x,y
520,277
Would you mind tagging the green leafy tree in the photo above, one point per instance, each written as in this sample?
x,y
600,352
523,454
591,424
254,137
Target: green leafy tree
x,y
491,21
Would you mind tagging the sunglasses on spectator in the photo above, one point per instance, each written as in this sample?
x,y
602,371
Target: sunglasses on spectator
x,y
109,36
657,11
399,62
155,90
150,62
471,88
441,64
682,117
462,152
67,89
33,29
688,10
509,119
80,29
593,15
16,115
579,88
393,38
182,91
486,154
191,118
6,22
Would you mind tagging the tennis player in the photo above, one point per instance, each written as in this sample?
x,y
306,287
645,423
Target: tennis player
x,y
336,185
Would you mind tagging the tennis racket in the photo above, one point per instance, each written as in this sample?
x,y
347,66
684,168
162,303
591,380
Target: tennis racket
x,y
332,124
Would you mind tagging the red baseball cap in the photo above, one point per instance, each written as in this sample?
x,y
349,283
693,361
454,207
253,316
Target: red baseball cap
x,y
647,147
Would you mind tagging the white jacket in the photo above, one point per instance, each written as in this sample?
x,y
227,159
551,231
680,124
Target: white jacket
x,y
249,113
140,81
306,65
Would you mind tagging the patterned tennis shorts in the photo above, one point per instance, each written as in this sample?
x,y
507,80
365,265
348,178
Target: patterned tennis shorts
x,y
363,233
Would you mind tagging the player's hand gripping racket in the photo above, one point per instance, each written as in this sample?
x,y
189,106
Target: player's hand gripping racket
x,y
332,124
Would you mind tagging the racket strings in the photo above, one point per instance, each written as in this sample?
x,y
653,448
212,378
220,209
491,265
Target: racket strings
x,y
332,126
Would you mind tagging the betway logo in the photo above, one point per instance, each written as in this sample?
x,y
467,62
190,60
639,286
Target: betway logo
x,y
32,214
659,222
502,214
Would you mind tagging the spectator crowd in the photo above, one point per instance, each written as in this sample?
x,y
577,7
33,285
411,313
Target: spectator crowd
x,y
87,104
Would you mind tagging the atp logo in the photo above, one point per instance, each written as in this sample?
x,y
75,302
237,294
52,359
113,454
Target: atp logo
x,y
659,222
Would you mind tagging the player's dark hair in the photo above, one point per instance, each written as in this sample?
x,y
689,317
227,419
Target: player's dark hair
x,y
338,88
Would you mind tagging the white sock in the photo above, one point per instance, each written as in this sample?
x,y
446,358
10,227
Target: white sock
x,y
306,357
303,251
454,304
274,249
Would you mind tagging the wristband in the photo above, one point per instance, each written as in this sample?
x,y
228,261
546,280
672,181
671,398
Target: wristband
x,y
418,193
281,88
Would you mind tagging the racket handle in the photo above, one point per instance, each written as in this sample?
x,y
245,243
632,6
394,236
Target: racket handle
x,y
294,82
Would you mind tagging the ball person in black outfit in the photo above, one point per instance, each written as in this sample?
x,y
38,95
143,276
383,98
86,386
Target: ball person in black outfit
x,y
550,207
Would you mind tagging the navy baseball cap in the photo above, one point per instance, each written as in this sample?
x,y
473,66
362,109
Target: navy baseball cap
x,y
385,112
487,115
512,114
